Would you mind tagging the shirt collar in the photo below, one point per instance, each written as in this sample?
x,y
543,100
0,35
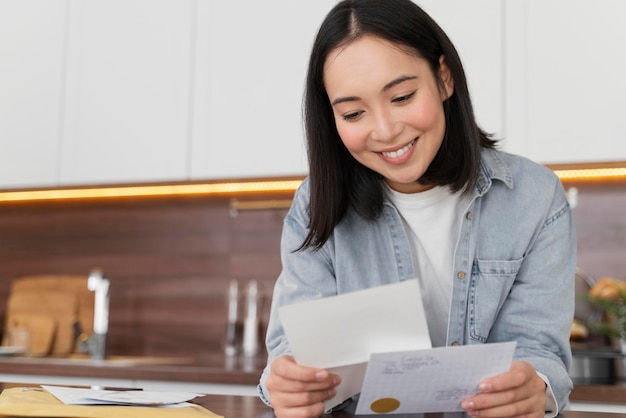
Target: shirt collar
x,y
492,167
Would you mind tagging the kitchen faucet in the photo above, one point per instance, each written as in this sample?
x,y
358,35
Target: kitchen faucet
x,y
96,343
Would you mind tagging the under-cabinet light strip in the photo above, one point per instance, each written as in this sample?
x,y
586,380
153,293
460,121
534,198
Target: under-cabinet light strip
x,y
230,188
593,174
608,174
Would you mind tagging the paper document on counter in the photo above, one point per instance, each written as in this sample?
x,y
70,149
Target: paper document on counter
x,y
83,396
340,332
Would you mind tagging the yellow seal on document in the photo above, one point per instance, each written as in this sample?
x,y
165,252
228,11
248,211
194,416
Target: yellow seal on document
x,y
385,405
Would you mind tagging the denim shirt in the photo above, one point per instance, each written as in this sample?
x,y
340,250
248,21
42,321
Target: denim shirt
x,y
514,266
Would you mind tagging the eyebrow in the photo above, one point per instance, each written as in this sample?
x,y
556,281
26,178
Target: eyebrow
x,y
386,87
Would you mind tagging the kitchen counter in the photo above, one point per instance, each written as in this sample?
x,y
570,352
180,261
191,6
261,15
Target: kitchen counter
x,y
216,373
249,407
600,393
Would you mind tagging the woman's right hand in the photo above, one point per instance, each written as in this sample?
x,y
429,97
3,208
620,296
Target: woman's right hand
x,y
297,391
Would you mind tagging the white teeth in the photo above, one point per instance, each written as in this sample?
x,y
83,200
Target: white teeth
x,y
400,152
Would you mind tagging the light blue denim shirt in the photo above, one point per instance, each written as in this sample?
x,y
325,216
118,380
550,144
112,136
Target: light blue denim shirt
x,y
514,266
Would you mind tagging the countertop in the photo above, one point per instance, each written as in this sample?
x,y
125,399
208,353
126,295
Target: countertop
x,y
251,407
215,368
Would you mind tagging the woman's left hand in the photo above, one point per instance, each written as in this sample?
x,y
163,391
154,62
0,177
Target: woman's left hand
x,y
520,392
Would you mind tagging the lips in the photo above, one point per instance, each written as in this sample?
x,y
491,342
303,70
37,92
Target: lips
x,y
400,152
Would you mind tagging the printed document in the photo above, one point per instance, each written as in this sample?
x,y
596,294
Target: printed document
x,y
377,340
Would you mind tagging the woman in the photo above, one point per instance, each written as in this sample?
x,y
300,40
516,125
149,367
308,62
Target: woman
x,y
404,184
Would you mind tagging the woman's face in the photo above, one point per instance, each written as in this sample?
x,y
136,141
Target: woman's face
x,y
388,108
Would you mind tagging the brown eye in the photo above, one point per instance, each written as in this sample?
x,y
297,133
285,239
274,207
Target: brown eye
x,y
351,116
404,98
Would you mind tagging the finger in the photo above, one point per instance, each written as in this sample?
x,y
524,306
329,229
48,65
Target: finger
x,y
287,368
524,408
294,399
518,375
278,382
527,399
494,400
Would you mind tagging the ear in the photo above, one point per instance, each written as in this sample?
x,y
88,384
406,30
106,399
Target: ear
x,y
447,83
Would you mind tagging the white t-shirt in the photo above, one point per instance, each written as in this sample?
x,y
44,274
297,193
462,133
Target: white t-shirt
x,y
433,219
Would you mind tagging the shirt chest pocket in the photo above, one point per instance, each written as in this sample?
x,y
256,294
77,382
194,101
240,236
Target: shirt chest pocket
x,y
490,285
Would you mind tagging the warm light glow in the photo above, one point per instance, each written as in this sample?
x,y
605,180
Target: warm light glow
x,y
240,188
593,174
228,188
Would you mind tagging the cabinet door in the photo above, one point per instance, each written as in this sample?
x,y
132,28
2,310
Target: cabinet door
x,y
128,87
31,79
251,68
479,43
565,84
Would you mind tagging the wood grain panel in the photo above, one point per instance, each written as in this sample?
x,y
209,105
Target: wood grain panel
x,y
600,216
169,262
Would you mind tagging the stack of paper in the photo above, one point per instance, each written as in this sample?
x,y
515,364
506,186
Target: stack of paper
x,y
377,340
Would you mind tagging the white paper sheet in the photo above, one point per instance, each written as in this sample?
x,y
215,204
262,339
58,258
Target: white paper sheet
x,y
83,396
341,332
432,380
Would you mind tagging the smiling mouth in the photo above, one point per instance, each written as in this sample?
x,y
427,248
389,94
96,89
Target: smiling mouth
x,y
400,152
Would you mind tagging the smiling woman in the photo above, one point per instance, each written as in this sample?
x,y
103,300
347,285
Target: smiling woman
x,y
403,183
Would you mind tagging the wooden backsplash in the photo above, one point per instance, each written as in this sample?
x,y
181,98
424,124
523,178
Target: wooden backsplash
x,y
600,216
170,261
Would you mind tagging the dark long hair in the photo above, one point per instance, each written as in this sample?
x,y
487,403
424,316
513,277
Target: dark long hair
x,y
337,181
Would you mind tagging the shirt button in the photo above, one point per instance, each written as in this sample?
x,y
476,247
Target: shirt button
x,y
455,344
468,215
461,275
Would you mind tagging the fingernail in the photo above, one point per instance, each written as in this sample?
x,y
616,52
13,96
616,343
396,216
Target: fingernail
x,y
321,375
467,405
484,387
336,380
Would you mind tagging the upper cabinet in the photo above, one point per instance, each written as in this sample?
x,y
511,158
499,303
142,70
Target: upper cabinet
x,y
32,53
128,83
565,93
479,44
251,63
115,91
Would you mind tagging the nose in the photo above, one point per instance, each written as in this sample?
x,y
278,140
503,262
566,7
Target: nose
x,y
384,126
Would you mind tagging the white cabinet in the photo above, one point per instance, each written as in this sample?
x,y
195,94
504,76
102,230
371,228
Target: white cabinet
x,y
479,43
95,92
32,49
129,80
114,91
564,76
250,70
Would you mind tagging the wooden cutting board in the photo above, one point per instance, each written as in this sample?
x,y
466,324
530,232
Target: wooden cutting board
x,y
42,330
57,307
75,284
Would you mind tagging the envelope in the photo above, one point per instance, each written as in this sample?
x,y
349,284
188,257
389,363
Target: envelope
x,y
17,402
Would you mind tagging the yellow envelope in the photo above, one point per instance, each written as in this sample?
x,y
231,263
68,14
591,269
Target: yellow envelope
x,y
16,402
